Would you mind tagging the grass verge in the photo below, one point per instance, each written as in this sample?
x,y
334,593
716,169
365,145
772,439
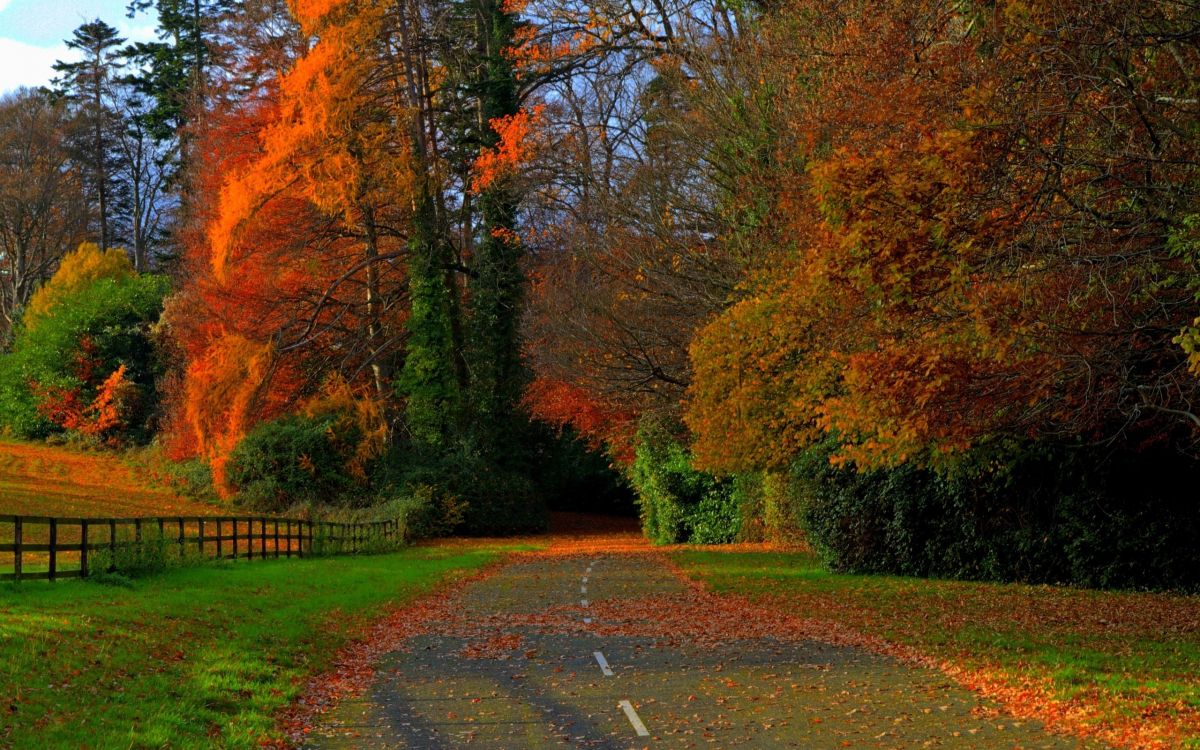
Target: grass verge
x,y
196,657
1118,666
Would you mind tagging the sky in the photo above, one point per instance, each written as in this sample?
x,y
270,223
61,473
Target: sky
x,y
31,34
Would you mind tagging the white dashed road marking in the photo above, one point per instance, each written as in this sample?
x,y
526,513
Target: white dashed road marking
x,y
634,719
603,664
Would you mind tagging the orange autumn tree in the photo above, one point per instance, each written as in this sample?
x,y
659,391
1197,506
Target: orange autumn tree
x,y
292,258
985,257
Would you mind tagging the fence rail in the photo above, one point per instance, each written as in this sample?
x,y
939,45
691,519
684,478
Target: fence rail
x,y
50,548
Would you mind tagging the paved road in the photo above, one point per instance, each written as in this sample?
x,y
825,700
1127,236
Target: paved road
x,y
615,651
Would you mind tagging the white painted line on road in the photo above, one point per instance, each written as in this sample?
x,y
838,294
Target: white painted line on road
x,y
583,589
603,664
584,602
587,621
634,719
585,579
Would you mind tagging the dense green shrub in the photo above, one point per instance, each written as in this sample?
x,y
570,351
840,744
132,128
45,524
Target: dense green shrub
x,y
296,459
427,512
1037,513
679,504
91,333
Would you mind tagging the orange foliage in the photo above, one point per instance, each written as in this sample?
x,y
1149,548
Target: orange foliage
x,y
514,148
364,413
937,275
292,187
559,403
226,393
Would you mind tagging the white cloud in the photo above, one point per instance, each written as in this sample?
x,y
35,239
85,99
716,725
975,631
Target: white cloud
x,y
24,64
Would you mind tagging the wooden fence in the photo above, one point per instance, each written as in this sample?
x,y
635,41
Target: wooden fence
x,y
41,547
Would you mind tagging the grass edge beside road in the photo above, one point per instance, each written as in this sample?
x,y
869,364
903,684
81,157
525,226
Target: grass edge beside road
x,y
195,657
1114,666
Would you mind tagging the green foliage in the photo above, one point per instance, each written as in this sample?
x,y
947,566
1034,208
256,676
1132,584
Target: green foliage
x,y
679,504
1033,512
296,459
427,512
107,323
428,383
131,558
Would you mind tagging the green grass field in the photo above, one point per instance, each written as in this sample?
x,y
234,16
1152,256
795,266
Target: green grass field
x,y
197,657
1120,665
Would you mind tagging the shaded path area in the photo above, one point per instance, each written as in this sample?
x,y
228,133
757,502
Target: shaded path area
x,y
597,643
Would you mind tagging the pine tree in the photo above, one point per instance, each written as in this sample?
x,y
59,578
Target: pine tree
x,y
88,84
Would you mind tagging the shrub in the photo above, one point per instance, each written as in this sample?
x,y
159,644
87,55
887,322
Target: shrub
x,y
1032,512
679,504
427,512
89,365
296,459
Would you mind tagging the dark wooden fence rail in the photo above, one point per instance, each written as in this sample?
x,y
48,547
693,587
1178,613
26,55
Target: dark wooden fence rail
x,y
47,548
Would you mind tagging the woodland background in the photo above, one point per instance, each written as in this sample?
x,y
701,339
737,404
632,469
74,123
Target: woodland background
x,y
913,280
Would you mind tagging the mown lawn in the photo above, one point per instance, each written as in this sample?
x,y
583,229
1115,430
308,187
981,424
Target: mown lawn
x,y
1121,666
197,657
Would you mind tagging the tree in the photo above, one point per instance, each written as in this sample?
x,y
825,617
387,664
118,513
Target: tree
x,y
43,213
988,257
89,84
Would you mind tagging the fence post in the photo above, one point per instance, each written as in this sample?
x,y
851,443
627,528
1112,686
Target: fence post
x,y
53,548
276,522
200,536
17,549
235,537
181,550
262,547
83,548
220,535
112,544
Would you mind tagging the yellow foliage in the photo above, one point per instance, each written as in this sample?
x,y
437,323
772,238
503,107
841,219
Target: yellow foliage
x,y
77,270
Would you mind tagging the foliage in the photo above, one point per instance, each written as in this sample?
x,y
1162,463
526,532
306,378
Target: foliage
x,y
133,557
43,212
297,459
1083,515
76,271
677,502
428,512
971,261
89,364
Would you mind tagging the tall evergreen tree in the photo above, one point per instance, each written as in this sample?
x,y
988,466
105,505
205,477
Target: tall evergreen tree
x,y
88,84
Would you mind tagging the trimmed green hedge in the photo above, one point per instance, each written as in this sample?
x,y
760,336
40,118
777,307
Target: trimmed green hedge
x,y
1035,513
679,504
